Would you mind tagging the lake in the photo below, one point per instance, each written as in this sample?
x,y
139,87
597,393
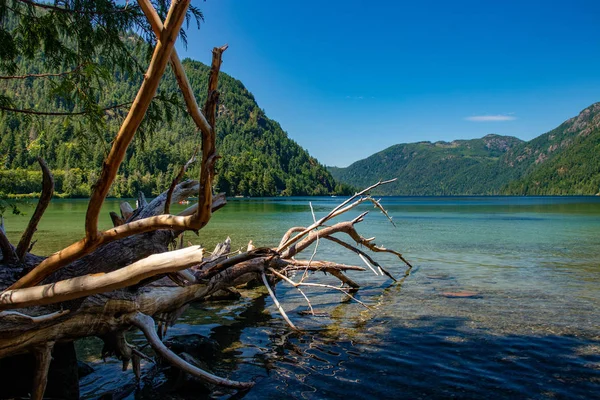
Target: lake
x,y
529,327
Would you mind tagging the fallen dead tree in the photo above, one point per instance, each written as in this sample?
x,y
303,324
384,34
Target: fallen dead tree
x,y
129,276
104,304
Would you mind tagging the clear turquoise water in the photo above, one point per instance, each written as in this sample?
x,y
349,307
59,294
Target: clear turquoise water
x,y
531,331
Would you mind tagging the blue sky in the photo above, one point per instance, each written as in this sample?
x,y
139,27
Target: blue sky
x,y
346,79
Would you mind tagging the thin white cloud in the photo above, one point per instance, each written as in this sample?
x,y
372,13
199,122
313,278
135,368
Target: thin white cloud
x,y
490,118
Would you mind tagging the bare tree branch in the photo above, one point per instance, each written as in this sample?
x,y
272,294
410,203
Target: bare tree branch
x,y
362,254
177,179
37,319
78,249
289,233
48,75
346,227
180,76
116,220
202,214
43,202
368,243
213,267
206,125
343,278
293,264
276,302
58,113
93,239
209,151
320,285
340,209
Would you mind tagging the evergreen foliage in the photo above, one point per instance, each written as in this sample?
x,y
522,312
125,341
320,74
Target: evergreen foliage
x,y
69,51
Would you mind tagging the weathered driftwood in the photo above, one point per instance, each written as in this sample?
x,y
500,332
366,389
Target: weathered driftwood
x,y
87,285
110,314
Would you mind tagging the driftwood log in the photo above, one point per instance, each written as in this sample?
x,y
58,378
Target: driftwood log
x,y
127,282
126,277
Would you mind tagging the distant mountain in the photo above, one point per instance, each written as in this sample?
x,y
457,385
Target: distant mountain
x,y
426,168
565,160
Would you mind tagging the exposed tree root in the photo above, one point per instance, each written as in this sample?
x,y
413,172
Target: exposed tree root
x,y
146,324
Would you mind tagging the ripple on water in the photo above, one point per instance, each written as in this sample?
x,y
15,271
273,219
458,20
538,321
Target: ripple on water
x,y
530,332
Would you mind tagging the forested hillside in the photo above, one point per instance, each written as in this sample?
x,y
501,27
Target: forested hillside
x,y
565,160
258,158
427,168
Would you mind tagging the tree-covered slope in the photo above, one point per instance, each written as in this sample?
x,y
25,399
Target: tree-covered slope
x,y
565,160
427,168
258,158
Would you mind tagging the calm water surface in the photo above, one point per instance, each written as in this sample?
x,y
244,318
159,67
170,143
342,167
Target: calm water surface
x,y
532,329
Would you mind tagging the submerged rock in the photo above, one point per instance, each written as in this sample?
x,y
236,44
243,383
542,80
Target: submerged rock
x,y
461,293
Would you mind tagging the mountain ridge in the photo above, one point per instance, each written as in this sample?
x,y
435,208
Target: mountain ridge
x,y
493,164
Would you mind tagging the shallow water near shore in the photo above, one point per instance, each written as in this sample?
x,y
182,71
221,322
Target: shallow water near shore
x,y
502,302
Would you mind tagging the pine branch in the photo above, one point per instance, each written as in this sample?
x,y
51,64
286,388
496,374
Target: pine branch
x,y
72,11
58,113
48,75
